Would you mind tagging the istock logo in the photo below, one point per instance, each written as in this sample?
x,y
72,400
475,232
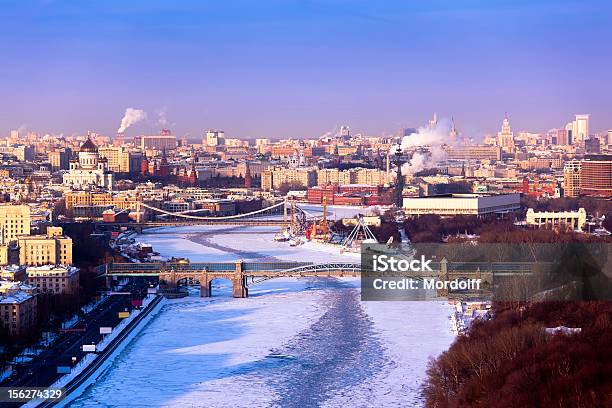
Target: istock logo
x,y
384,263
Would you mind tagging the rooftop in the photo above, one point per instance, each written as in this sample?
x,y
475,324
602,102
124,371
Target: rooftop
x,y
88,146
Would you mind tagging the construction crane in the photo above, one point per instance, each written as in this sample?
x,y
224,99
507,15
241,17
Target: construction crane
x,y
324,219
320,230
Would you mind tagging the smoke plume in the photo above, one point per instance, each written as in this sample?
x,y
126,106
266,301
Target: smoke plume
x,y
431,138
131,117
331,133
162,118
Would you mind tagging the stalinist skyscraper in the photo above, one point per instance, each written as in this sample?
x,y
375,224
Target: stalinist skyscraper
x,y
505,138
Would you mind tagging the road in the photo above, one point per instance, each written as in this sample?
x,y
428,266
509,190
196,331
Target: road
x,y
42,371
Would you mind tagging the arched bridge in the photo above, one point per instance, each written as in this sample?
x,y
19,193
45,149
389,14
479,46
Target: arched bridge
x,y
243,275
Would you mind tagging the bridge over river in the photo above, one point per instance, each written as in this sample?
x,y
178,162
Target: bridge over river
x,y
246,274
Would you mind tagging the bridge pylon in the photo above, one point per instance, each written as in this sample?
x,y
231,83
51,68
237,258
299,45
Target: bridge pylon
x,y
239,287
205,285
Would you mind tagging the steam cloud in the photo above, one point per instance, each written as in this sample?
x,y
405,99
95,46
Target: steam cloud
x,y
434,138
162,118
332,133
131,117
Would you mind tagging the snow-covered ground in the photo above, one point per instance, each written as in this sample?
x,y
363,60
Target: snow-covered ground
x,y
293,342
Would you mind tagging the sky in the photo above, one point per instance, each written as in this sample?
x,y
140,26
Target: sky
x,y
284,68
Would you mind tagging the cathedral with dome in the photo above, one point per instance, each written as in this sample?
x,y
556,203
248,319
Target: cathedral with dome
x,y
89,170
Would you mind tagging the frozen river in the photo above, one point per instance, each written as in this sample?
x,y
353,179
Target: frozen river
x,y
293,343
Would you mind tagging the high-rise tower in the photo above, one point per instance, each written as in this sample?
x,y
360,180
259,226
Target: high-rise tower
x,y
505,138
399,181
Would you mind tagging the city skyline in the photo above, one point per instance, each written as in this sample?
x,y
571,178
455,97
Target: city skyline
x,y
140,128
305,203
302,69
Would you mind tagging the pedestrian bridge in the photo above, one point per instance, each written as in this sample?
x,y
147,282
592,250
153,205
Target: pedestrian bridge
x,y
243,274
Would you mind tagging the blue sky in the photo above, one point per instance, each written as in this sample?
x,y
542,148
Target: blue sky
x,y
300,68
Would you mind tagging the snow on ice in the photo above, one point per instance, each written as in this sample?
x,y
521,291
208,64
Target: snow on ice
x,y
226,352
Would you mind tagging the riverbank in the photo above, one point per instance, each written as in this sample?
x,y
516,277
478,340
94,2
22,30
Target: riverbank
x,y
312,336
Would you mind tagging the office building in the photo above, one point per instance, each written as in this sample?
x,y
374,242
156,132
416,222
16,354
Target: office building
x,y
214,138
474,152
596,176
563,137
156,142
580,128
592,145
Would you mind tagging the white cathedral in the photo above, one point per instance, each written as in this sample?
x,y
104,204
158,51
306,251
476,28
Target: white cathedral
x,y
89,170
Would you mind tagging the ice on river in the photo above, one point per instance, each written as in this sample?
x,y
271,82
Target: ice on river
x,y
227,244
225,352
292,343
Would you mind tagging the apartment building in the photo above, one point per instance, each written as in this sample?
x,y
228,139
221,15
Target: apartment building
x,y
53,248
274,177
18,306
54,279
14,221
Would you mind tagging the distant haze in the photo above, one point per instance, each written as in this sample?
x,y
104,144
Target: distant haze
x,y
303,68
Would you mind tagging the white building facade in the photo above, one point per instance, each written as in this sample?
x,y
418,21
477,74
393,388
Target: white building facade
x,y
462,204
89,170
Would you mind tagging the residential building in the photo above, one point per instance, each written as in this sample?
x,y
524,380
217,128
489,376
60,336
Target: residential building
x,y
53,248
18,304
13,273
54,279
505,138
474,152
214,138
335,176
120,159
14,222
571,178
60,159
274,177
